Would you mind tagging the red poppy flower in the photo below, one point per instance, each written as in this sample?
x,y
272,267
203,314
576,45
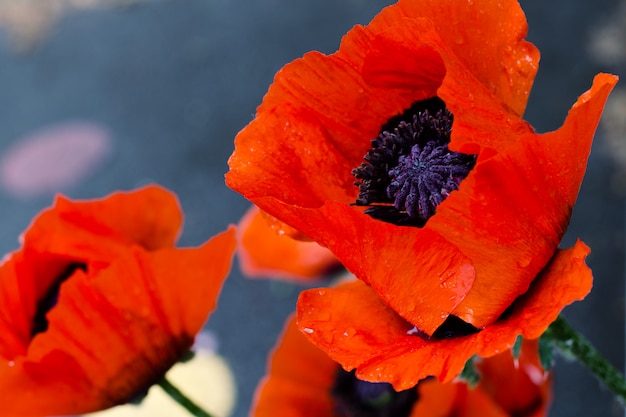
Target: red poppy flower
x,y
270,249
466,203
303,381
98,303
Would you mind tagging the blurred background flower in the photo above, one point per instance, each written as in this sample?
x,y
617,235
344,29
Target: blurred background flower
x,y
28,21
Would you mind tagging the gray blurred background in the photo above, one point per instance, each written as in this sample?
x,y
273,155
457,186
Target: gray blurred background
x,y
162,86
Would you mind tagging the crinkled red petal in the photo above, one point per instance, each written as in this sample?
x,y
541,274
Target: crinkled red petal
x,y
149,217
511,212
415,270
488,38
356,328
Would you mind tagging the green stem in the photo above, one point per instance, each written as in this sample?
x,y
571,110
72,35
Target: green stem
x,y
571,343
182,399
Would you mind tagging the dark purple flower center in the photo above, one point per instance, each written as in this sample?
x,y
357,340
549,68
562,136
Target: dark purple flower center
x,y
453,327
409,171
356,398
51,297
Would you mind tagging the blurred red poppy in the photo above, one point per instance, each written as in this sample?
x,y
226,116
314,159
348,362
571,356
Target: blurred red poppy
x,y
303,381
98,303
268,248
465,203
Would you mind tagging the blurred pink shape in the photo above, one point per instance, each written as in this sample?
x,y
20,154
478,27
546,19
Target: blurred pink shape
x,y
53,158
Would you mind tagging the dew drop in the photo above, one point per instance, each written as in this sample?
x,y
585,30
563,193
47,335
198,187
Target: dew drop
x,y
308,330
11,363
350,331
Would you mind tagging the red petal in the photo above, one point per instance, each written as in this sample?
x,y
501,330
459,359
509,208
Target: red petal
x,y
436,399
188,281
358,330
488,38
266,252
519,387
417,65
514,208
54,386
298,381
479,116
149,217
454,399
420,274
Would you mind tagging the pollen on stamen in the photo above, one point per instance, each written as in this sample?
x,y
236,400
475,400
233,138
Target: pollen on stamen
x,y
409,171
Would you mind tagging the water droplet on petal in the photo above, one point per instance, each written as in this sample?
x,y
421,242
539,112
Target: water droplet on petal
x,y
350,331
414,330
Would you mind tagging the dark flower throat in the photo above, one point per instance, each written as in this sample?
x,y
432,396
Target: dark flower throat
x,y
409,171
356,398
51,297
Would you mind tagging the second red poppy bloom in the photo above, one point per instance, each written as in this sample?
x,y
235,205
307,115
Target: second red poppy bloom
x,y
98,303
302,381
464,203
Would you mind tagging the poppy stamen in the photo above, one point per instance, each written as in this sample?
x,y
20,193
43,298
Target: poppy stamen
x,y
357,398
409,171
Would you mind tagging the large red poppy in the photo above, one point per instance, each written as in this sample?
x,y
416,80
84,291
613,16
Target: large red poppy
x,y
491,237
98,303
302,381
267,249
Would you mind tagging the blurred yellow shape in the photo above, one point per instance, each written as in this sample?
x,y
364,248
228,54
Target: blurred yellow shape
x,y
28,21
206,379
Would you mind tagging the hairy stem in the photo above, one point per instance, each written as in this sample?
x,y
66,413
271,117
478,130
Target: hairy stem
x,y
182,399
572,343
